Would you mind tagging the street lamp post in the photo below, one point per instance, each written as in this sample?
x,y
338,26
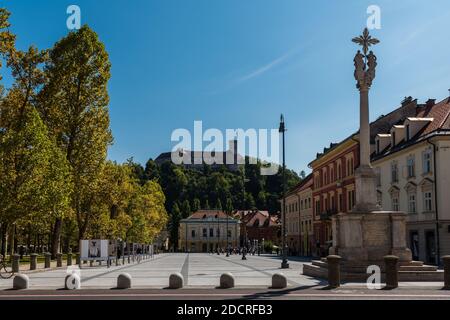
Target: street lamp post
x,y
284,263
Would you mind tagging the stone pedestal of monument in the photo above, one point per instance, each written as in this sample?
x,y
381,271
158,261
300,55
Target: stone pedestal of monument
x,y
363,239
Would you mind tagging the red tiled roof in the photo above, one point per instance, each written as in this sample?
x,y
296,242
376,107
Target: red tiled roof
x,y
202,214
439,112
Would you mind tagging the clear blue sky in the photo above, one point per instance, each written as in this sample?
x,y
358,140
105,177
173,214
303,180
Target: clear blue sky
x,y
239,64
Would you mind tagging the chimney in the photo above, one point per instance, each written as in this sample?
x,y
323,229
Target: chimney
x,y
430,102
406,101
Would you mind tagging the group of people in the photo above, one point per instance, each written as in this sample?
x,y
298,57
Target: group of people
x,y
235,250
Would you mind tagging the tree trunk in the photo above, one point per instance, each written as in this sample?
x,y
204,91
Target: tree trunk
x,y
4,230
56,239
11,240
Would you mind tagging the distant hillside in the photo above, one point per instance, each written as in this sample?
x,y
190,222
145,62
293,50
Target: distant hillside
x,y
212,187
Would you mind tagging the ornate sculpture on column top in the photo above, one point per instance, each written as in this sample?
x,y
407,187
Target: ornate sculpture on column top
x,y
363,76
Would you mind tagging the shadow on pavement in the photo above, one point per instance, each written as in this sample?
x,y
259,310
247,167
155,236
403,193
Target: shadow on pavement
x,y
274,293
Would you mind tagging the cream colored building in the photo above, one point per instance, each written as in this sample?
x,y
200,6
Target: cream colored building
x,y
206,230
299,218
412,161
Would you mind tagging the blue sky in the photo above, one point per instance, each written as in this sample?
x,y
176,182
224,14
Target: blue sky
x,y
239,64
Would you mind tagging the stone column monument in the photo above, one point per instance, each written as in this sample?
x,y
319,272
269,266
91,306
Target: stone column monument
x,y
366,234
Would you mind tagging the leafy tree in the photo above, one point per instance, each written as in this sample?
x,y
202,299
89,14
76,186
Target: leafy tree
x,y
73,104
229,206
151,171
34,172
250,201
196,205
261,200
219,204
185,209
175,218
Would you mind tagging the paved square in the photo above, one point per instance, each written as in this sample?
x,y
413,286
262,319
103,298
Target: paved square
x,y
199,270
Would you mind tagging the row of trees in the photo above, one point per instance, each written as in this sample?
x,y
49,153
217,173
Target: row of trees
x,y
56,186
188,190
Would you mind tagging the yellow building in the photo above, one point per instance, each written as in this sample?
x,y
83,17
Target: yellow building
x,y
206,230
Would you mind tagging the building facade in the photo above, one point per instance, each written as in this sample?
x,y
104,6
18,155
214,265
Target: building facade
x,y
306,216
412,160
299,218
206,231
333,189
333,174
258,227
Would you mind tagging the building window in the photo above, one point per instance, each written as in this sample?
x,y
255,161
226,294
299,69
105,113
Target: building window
x,y
339,171
218,232
427,201
351,199
341,202
410,162
193,233
205,233
379,198
211,232
393,139
394,172
426,161
407,133
395,203
229,233
378,175
317,206
412,203
378,146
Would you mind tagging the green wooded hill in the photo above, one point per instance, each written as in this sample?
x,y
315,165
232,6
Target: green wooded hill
x,y
187,190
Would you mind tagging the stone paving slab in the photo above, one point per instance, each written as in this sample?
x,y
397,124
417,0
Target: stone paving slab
x,y
200,270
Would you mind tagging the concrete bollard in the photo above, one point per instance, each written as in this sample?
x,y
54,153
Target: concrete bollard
x,y
59,260
72,282
124,281
334,271
47,259
15,263
391,269
279,281
226,280
21,281
69,258
33,261
176,281
446,261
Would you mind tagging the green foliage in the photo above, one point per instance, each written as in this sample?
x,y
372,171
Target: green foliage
x,y
268,246
55,181
218,187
